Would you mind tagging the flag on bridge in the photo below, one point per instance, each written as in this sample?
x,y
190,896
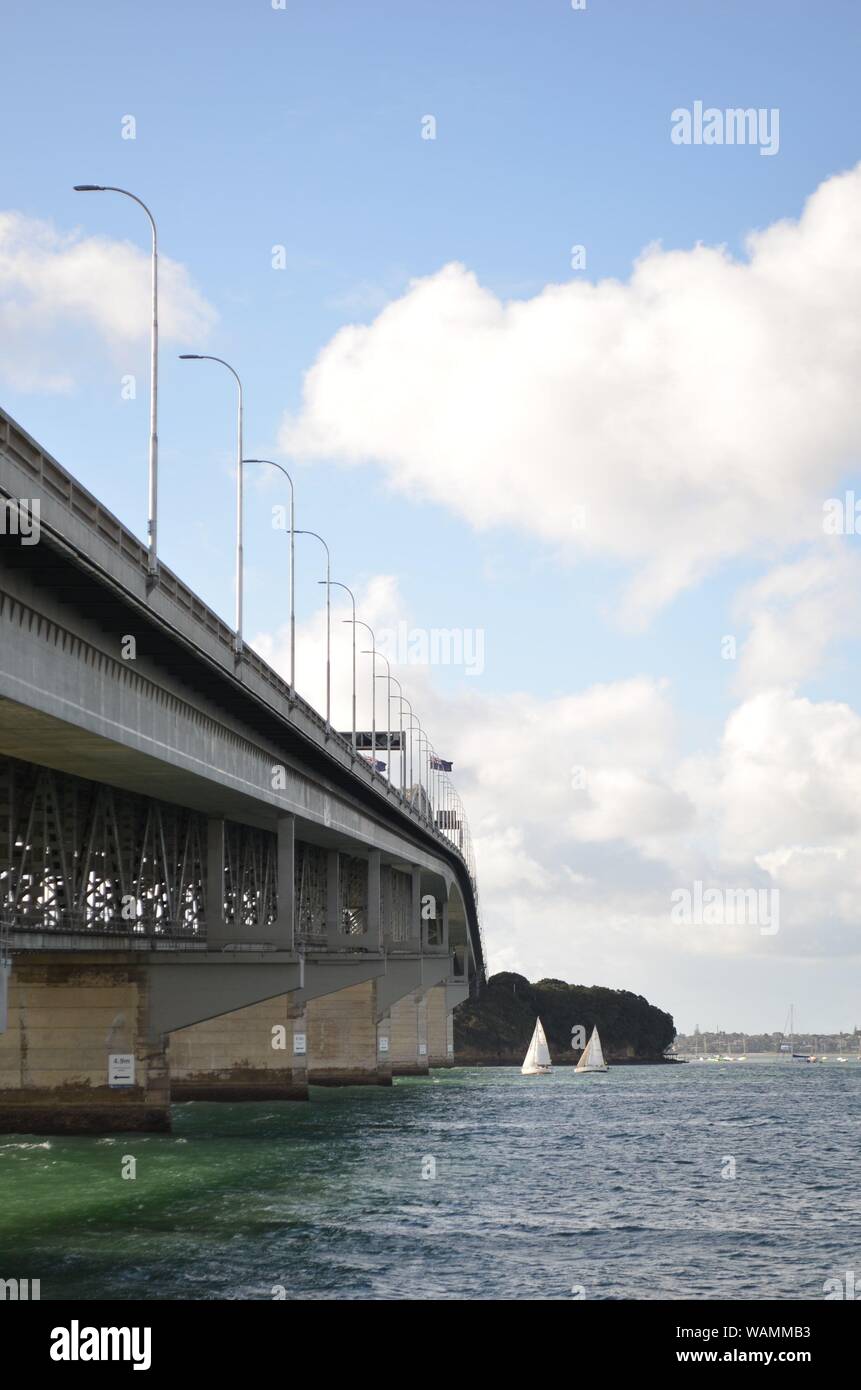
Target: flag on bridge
x,y
439,764
375,762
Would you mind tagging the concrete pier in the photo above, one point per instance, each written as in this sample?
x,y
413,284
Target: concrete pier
x,y
75,1056
249,1054
343,1039
440,1028
410,1056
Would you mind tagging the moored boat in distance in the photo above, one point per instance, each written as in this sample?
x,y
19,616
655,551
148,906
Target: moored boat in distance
x,y
593,1056
537,1059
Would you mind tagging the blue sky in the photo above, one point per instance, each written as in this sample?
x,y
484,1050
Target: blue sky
x,y
258,127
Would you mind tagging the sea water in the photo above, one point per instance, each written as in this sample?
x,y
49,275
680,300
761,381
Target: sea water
x,y
735,1180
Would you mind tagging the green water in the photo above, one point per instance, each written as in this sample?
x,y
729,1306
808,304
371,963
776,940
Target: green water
x,y
613,1183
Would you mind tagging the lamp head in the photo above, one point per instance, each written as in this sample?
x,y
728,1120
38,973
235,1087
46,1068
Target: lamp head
x,y
89,188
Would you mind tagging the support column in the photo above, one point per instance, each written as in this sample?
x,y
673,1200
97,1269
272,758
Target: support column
x,y
387,908
298,1016
5,971
283,927
422,1031
343,1038
216,927
373,939
415,932
409,1035
384,1049
333,900
439,1028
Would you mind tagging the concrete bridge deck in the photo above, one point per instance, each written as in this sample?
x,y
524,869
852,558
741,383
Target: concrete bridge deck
x,y
191,860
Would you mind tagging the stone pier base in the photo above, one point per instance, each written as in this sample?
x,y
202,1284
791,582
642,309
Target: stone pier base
x,y
409,1035
66,1020
343,1046
248,1054
440,1028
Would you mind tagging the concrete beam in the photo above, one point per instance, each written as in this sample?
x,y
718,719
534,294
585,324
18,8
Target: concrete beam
x,y
407,973
190,988
326,974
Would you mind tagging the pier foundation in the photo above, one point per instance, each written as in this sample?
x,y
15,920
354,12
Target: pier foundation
x,y
75,1057
409,1023
344,1039
440,1028
257,1053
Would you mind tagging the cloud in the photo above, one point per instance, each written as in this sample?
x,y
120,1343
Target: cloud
x,y
52,282
587,816
691,414
796,612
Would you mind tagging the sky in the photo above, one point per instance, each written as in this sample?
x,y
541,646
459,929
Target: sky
x,y
546,377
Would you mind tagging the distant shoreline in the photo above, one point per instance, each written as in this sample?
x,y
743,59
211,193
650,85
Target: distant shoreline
x,y
509,1061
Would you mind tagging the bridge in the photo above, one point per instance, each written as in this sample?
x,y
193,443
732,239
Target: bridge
x,y
205,891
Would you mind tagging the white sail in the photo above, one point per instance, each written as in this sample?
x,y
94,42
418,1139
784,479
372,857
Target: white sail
x,y
537,1059
593,1056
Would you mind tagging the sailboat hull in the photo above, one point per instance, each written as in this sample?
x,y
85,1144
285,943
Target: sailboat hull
x,y
535,1071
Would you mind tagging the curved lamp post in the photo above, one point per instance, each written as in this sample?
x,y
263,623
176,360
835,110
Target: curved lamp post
x,y
358,621
338,585
400,696
281,469
388,709
412,716
152,521
204,357
328,582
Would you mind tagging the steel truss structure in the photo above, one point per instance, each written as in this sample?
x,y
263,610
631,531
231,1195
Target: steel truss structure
x,y
80,856
310,892
402,899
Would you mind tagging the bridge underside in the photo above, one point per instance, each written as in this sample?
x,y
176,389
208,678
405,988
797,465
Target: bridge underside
x,y
204,890
158,953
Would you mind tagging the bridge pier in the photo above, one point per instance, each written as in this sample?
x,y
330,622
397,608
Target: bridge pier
x,y
249,1054
69,1022
409,1035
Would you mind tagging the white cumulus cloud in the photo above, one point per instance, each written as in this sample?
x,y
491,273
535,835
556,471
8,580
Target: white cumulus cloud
x,y
53,281
688,415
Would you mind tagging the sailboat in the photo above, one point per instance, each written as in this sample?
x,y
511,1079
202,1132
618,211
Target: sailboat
x,y
593,1057
537,1059
788,1048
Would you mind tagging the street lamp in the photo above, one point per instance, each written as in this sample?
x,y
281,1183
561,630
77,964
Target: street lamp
x,y
204,357
328,582
412,716
388,708
273,464
152,521
339,585
400,696
373,684
427,754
